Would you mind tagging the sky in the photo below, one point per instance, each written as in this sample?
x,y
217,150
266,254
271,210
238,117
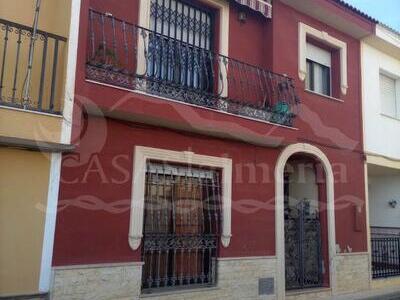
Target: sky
x,y
385,11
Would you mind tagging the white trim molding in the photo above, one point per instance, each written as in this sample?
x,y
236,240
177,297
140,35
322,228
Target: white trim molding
x,y
279,212
324,37
50,223
69,96
143,154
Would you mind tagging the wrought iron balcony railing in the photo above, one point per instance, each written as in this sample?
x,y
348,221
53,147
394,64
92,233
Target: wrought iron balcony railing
x,y
129,56
44,89
385,256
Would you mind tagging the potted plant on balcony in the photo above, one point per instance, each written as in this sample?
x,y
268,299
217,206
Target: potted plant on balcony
x,y
106,57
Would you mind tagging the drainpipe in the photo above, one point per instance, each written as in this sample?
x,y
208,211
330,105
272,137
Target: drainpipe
x,y
28,78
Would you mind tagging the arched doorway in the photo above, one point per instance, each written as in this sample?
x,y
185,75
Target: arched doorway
x,y
304,219
306,255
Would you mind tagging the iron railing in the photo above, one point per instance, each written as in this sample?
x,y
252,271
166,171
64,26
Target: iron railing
x,y
44,90
385,256
132,57
182,224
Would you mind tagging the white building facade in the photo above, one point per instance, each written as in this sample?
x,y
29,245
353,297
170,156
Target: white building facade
x,y
381,115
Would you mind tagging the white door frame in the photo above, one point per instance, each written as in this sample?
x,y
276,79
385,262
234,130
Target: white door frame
x,y
279,212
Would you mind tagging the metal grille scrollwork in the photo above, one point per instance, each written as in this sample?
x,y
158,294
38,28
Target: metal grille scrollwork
x,y
181,227
303,259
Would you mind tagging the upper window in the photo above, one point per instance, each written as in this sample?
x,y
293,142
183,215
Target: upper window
x,y
390,102
325,71
183,22
318,70
179,46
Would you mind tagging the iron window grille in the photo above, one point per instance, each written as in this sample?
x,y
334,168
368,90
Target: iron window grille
x,y
182,223
177,22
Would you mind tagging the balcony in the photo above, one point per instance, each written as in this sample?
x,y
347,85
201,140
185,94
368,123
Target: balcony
x,y
131,57
43,91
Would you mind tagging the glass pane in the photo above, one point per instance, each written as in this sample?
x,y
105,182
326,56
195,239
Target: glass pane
x,y
321,79
309,85
326,81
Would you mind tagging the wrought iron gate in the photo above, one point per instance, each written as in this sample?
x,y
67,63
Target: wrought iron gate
x,y
303,257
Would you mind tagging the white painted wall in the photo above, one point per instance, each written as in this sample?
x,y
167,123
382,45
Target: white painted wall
x,y
381,133
382,189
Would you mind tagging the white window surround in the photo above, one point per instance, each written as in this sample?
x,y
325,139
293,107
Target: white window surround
x,y
143,154
221,5
324,37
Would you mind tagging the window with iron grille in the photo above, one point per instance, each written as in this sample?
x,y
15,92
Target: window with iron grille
x,y
181,227
179,48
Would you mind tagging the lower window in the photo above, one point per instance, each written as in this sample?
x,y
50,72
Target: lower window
x,y
182,225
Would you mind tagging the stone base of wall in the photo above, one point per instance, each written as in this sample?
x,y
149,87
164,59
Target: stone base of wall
x,y
244,278
352,273
314,294
113,281
237,278
386,283
43,296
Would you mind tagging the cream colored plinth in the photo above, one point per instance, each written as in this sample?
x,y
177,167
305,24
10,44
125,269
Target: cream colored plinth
x,y
115,281
386,283
314,294
237,279
352,273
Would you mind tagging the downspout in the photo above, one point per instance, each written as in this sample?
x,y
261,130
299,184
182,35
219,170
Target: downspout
x,y
28,77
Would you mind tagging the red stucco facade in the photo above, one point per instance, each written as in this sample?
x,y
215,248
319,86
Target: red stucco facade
x,y
95,192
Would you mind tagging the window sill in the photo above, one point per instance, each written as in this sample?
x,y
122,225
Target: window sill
x,y
180,291
324,96
390,117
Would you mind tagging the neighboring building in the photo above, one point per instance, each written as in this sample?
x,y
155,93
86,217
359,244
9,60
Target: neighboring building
x,y
35,127
196,166
381,92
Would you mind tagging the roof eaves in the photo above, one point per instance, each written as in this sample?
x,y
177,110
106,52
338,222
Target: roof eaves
x,y
357,11
387,27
